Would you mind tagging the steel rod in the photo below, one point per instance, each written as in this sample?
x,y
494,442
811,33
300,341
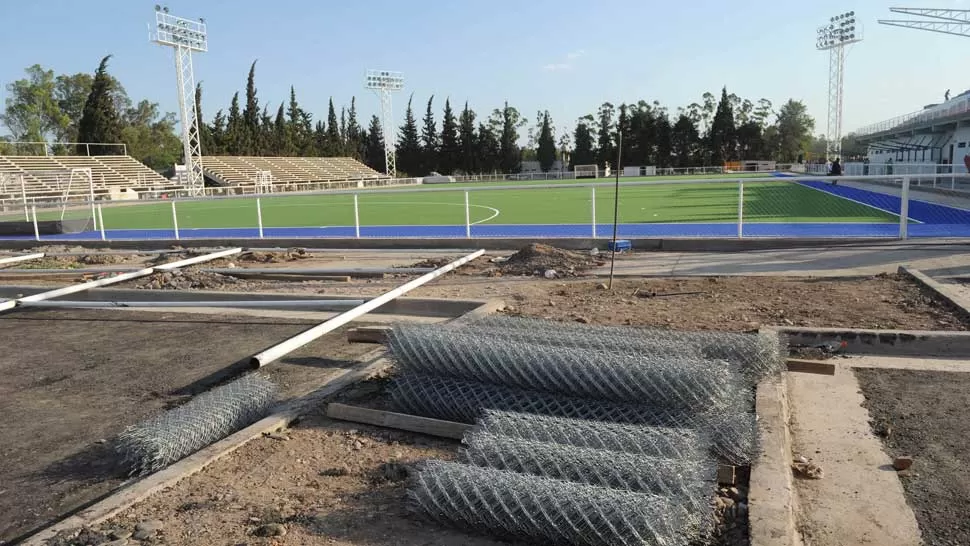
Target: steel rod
x,y
324,305
24,258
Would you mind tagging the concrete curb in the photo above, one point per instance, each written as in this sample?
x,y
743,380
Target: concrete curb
x,y
945,293
771,496
883,342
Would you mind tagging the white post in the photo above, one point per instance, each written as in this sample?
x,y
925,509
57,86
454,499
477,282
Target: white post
x,y
904,210
468,218
94,217
593,209
36,229
175,221
259,217
101,224
953,176
740,209
356,217
23,192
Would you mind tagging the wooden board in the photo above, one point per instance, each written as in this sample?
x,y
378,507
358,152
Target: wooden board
x,y
400,421
810,366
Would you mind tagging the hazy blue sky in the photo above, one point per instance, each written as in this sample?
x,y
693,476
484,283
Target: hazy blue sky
x,y
566,56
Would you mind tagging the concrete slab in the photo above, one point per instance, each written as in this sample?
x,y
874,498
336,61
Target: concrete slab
x,y
859,500
908,363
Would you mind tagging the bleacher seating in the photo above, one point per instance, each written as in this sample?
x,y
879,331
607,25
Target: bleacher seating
x,y
46,177
328,172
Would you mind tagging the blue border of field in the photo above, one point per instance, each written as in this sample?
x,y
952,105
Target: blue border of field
x,y
927,220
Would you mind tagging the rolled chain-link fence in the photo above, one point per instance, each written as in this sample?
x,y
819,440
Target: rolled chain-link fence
x,y
674,382
172,435
525,507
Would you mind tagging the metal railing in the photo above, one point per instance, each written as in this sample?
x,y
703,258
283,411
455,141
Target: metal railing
x,y
946,110
856,206
20,146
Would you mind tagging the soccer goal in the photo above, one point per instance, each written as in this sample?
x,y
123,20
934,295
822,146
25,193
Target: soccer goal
x,y
586,171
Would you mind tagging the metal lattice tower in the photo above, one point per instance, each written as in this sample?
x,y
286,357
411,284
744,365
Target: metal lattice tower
x,y
185,36
384,83
834,37
944,21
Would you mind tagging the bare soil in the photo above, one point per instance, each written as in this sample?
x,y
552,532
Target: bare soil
x,y
72,380
923,414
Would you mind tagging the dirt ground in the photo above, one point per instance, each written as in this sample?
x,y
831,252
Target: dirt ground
x,y
74,379
923,414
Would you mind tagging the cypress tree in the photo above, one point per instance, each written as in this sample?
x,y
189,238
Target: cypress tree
x,y
546,149
206,140
251,129
448,158
409,147
235,129
510,156
583,152
374,154
282,145
331,145
100,120
470,156
429,141
355,140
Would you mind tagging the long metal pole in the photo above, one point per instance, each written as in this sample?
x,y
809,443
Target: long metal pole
x,y
94,217
33,209
299,340
593,210
23,193
468,218
322,305
904,210
101,224
356,217
14,259
75,288
259,217
616,205
175,221
740,209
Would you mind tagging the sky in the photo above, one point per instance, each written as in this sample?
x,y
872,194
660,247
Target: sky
x,y
565,56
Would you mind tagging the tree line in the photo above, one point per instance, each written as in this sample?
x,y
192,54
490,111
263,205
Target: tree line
x,y
86,108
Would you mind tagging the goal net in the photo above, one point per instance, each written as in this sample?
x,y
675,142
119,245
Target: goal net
x,y
586,171
264,182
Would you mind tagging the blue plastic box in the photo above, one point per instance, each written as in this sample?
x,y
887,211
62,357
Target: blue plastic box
x,y
621,245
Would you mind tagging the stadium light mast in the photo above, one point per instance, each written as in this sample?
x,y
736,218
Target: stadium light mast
x,y
384,83
833,37
944,21
185,36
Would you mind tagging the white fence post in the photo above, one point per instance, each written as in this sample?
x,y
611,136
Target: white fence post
x,y
356,217
593,209
468,218
33,208
904,210
740,209
259,217
101,224
175,221
23,192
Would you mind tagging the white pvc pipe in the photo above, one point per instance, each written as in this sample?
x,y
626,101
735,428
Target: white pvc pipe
x,y
101,224
94,218
73,289
301,339
175,221
24,258
23,193
324,305
33,209
593,210
259,217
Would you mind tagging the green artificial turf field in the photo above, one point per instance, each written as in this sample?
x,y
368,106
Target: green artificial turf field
x,y
770,201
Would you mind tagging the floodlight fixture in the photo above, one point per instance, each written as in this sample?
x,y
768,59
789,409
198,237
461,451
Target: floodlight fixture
x,y
384,83
185,36
834,37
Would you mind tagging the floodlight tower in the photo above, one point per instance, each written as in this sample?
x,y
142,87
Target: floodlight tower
x,y
834,37
185,36
384,83
945,21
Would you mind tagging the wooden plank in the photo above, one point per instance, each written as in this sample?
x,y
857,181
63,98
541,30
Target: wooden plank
x,y
400,421
368,334
810,366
